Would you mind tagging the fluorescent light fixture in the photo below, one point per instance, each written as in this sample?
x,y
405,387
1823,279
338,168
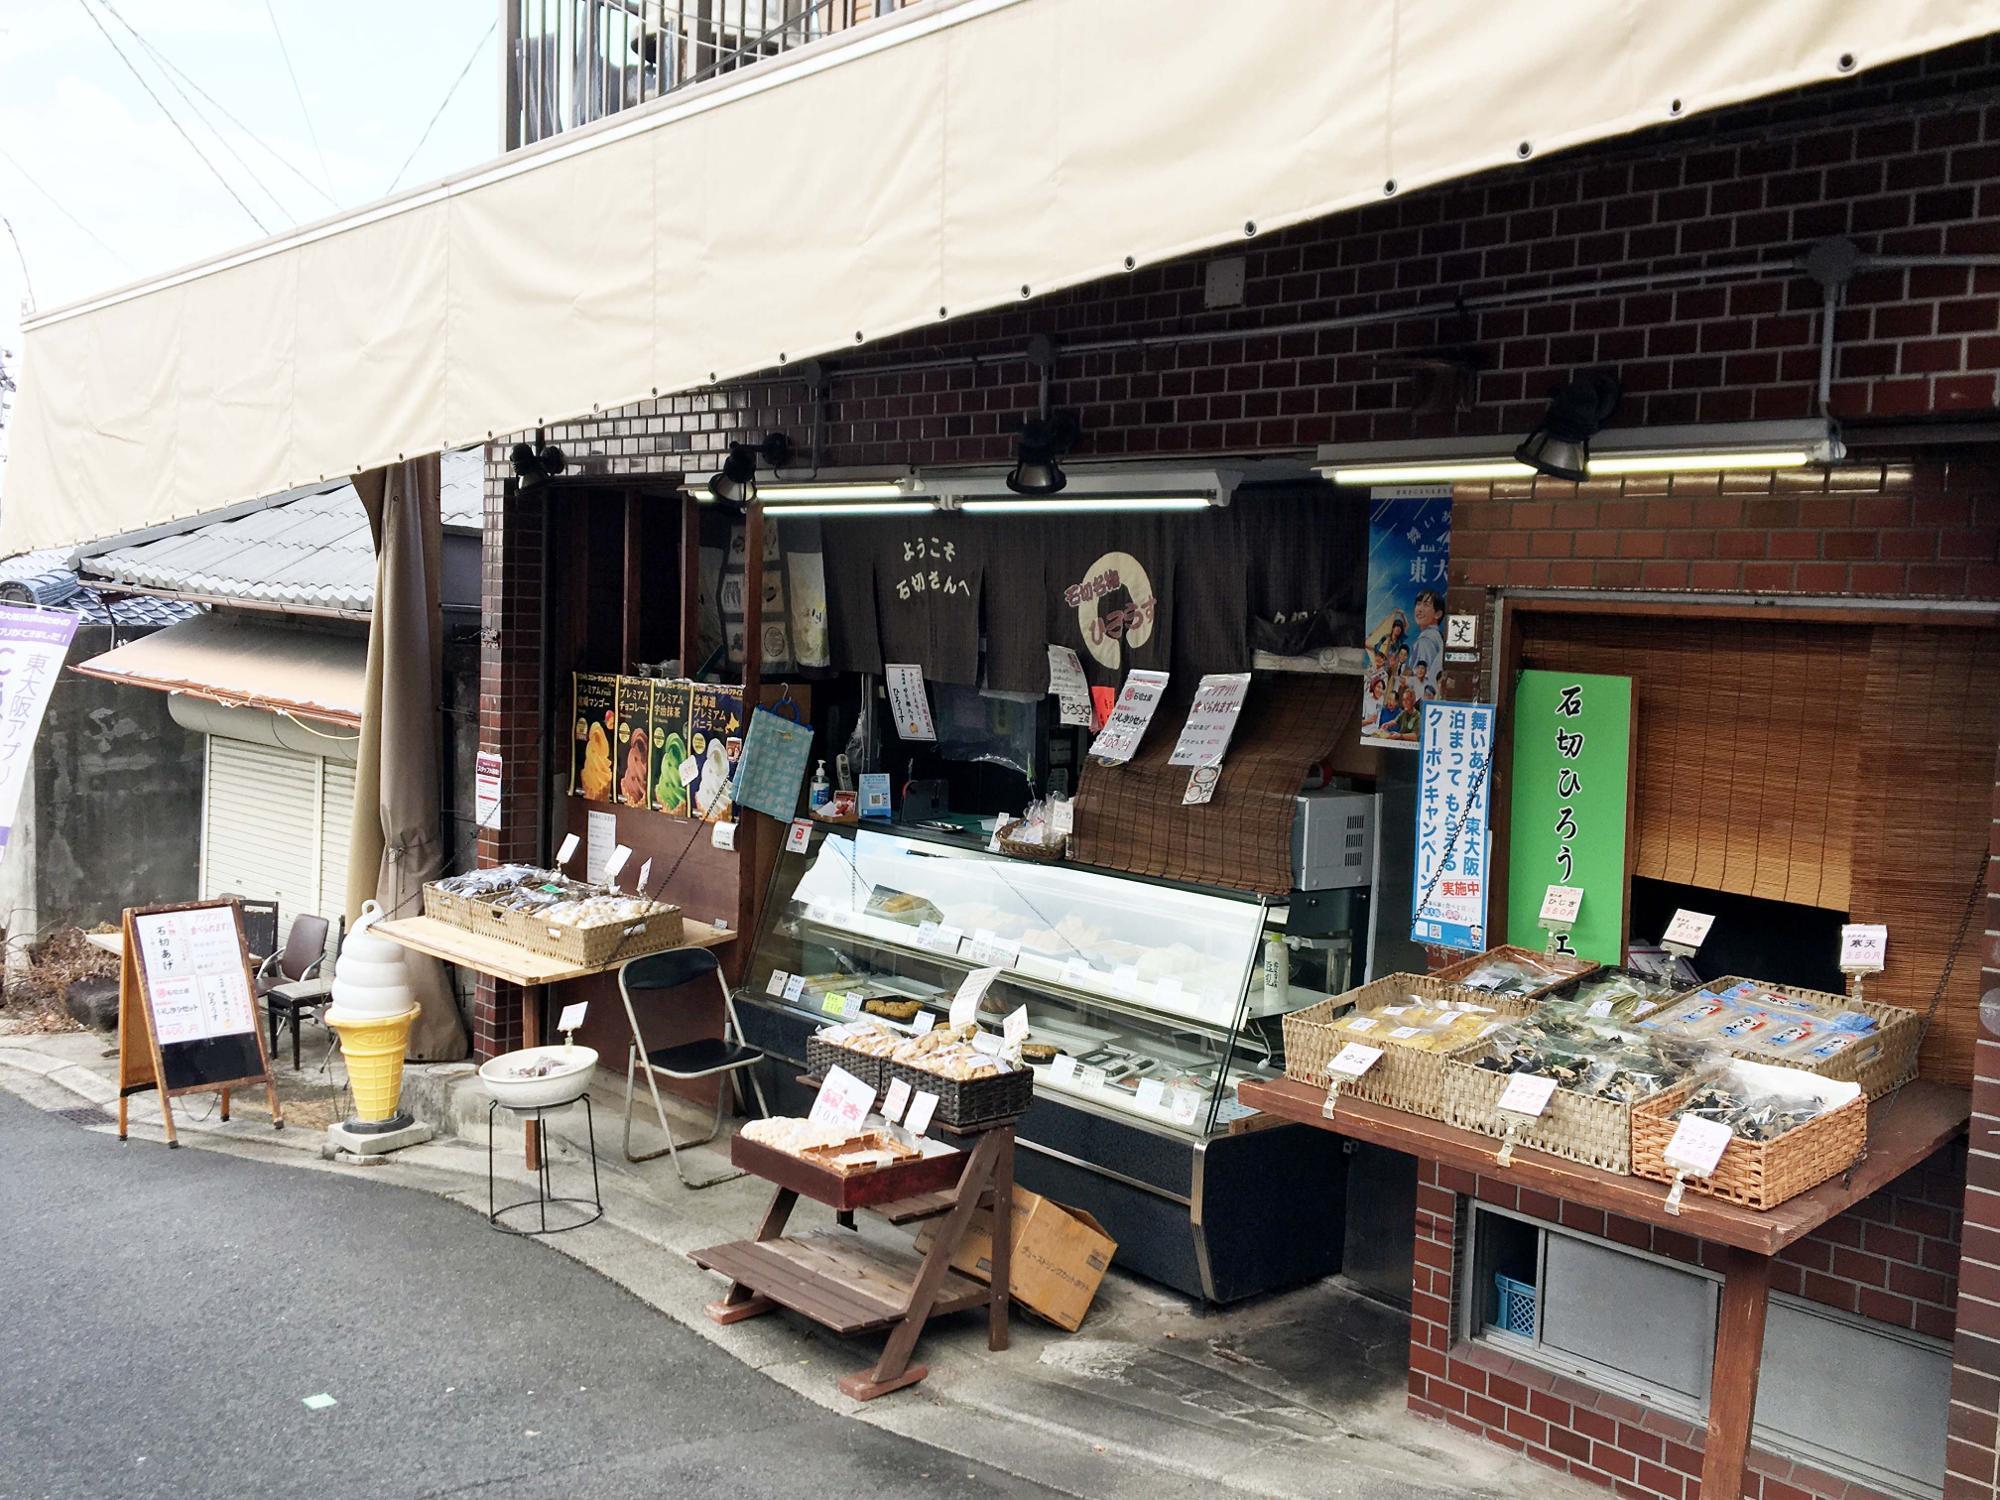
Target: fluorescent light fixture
x,y
859,508
1086,502
789,493
1702,447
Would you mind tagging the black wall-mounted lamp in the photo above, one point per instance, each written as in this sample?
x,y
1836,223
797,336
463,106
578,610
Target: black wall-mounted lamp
x,y
1559,446
536,465
1038,456
736,480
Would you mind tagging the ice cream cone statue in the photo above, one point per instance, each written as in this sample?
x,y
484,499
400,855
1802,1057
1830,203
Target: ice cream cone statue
x,y
372,1009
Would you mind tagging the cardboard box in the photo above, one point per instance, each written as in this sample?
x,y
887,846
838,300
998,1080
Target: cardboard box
x,y
1060,1256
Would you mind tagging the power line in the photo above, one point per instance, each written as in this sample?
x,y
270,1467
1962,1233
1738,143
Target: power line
x,y
130,67
299,94
478,47
22,257
56,203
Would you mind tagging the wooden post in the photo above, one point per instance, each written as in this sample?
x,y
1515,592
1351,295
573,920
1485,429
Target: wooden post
x,y
632,623
1732,1389
690,584
531,1036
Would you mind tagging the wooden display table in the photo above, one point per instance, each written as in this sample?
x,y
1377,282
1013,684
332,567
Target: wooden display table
x,y
530,970
1901,1133
850,1287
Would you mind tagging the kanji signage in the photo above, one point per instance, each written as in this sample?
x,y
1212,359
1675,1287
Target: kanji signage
x,y
1570,811
1454,837
33,643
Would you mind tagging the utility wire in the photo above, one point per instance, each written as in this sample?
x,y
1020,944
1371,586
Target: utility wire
x,y
168,65
132,68
22,257
56,203
195,110
478,47
300,94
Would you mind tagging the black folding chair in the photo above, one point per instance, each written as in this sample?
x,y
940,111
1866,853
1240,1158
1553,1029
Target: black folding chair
x,y
710,1057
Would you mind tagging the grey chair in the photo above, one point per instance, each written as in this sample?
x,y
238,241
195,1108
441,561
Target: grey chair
x,y
289,980
709,1057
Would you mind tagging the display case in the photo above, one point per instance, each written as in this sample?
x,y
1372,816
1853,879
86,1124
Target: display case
x,y
1146,1006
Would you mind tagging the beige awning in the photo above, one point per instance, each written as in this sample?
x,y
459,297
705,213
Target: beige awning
x,y
302,672
959,155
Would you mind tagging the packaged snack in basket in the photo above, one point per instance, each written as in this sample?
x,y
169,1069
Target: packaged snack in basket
x,y
1699,1015
1598,1061
593,723
1721,1094
1511,974
1616,997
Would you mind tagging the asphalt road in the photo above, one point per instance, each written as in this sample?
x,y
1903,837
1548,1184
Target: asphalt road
x,y
163,1316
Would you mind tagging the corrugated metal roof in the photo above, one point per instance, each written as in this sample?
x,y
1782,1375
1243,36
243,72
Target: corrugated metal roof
x,y
314,673
309,552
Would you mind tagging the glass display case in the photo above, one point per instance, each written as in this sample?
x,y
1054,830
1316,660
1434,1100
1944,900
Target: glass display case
x,y
1144,1001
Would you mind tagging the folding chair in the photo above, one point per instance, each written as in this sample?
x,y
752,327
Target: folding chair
x,y
707,1058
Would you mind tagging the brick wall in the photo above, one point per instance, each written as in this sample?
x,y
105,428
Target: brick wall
x,y
1892,1258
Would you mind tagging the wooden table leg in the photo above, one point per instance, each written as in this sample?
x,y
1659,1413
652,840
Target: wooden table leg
x,y
1732,1388
1003,1243
739,1302
531,1036
893,1370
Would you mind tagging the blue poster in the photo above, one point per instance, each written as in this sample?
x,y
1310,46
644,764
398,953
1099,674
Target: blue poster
x,y
1454,791
1409,554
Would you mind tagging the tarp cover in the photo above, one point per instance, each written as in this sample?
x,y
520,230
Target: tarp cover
x,y
959,155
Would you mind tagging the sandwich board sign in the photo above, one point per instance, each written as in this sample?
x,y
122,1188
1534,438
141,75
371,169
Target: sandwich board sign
x,y
187,1009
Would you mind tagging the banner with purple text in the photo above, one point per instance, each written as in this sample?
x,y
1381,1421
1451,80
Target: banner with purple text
x,y
33,644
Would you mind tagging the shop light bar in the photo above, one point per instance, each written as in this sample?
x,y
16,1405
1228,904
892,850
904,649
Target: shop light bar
x,y
1704,447
790,494
857,508
1088,503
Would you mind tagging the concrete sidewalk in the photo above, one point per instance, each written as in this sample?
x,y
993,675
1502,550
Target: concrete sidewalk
x,y
1295,1395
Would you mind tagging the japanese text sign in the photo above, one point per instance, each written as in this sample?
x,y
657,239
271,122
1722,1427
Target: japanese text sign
x,y
1454,832
33,643
1072,689
1864,947
1211,719
842,1100
909,704
1126,725
1572,777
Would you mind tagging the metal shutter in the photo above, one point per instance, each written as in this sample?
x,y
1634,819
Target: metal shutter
x,y
261,824
336,816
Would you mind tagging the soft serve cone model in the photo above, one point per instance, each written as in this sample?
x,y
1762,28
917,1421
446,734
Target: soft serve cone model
x,y
373,1008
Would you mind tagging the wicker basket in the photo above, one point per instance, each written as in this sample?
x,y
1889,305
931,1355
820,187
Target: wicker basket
x,y
1577,1127
1571,968
1015,848
1879,1063
969,1101
600,942
1405,1078
822,1054
1757,1174
463,911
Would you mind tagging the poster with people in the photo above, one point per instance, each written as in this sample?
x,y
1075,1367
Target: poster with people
x,y
1409,555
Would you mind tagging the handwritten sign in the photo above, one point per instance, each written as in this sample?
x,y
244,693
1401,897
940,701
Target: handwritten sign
x,y
971,990
897,1102
775,985
1527,1094
1353,1060
842,1100
1152,1094
1697,1145
1015,1027
572,1016
1072,691
1211,720
922,1107
1129,717
1864,947
1561,904
909,704
1688,929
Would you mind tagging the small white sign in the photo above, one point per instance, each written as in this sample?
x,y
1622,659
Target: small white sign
x,y
1527,1094
1184,1105
1089,1077
1353,1060
572,1016
775,985
1864,947
798,838
615,865
842,1100
645,875
1167,989
986,1044
601,837
724,836
795,986
1697,1145
1689,929
568,851
909,704
1126,725
1062,816
1063,1068
1461,632
924,1022
922,1107
1152,1094
1211,720
486,789
1600,1008
897,1102
1561,904
1015,1027
971,990
690,772
1077,973
1066,681
1125,979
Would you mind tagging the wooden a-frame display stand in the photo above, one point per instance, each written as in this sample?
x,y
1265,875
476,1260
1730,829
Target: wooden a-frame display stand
x,y
144,1067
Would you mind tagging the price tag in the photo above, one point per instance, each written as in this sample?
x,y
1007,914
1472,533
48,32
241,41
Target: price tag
x,y
1006,951
1167,989
842,1100
897,1101
1353,1060
1125,979
1152,1094
1600,1008
833,1005
985,942
723,836
1361,1023
1077,973
1689,929
1184,1105
1527,1094
795,986
922,1107
986,1044
775,985
1089,1077
1063,1068
1864,947
568,851
798,838
1015,1027
1062,816
1071,688
619,856
1561,904
927,934
1697,1145
971,990
572,1016
645,875
948,939
690,770
1402,1032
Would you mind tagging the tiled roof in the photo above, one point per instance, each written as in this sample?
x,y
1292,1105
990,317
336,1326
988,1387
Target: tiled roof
x,y
312,551
44,578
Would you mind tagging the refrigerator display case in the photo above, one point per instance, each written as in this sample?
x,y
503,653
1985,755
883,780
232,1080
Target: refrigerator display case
x,y
1146,1006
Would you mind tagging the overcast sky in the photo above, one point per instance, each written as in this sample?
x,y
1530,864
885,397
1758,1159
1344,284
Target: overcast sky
x,y
101,189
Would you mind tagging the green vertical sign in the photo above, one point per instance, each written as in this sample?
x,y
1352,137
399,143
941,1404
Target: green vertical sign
x,y
1572,774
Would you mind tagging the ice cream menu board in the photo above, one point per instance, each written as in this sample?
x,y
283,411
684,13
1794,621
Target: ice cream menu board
x,y
195,975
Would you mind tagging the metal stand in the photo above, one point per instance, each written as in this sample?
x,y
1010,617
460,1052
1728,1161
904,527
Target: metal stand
x,y
545,1195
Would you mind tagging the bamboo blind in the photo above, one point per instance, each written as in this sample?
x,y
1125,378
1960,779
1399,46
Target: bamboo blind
x,y
1848,767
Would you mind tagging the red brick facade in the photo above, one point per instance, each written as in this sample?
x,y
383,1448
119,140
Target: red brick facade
x,y
1907,161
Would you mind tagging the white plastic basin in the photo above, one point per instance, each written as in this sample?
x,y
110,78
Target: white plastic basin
x,y
569,1080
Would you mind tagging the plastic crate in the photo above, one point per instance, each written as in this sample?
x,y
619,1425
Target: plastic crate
x,y
1515,1306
